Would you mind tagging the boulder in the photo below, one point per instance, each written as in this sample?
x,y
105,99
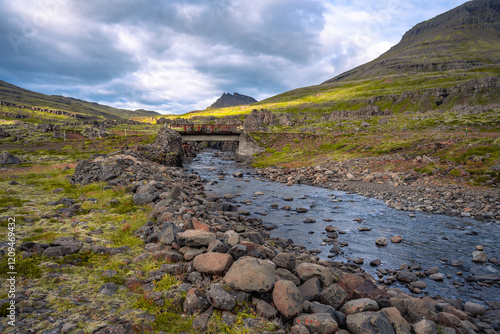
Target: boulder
x,y
474,309
425,327
169,233
108,289
212,263
306,271
195,302
479,257
265,310
381,241
287,298
250,274
339,317
285,260
219,298
369,323
195,238
321,323
350,282
334,295
358,306
311,289
166,150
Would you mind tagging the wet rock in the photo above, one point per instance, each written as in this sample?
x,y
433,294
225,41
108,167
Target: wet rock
x,y
396,239
302,210
381,241
406,276
437,277
309,221
287,298
417,310
334,295
306,271
369,323
479,257
219,298
195,302
375,263
321,323
213,263
250,274
359,305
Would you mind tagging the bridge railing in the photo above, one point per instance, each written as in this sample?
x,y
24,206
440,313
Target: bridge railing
x,y
206,128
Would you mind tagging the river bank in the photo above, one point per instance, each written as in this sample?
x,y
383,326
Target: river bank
x,y
145,248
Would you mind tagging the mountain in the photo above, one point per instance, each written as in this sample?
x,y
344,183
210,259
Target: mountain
x,y
452,59
466,37
19,97
228,100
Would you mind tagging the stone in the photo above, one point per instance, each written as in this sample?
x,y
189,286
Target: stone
x,y
299,329
195,302
8,159
311,289
217,246
302,210
213,263
406,276
285,274
237,251
396,320
369,323
195,238
425,327
381,241
437,277
231,238
479,257
358,306
249,274
68,327
474,309
375,263
265,310
108,289
449,320
350,282
169,233
417,310
287,298
306,271
321,323
339,317
334,295
285,260
166,150
141,199
201,321
219,298
396,239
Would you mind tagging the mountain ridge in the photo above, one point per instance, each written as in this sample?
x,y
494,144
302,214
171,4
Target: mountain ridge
x,y
231,100
12,94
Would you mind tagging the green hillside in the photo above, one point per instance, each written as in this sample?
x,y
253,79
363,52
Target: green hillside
x,y
11,94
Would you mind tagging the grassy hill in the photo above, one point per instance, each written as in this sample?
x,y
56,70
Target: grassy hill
x,y
19,96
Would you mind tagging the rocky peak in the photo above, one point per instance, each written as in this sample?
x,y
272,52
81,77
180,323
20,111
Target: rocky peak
x,y
230,100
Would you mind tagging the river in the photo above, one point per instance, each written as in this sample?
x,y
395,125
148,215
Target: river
x,y
428,240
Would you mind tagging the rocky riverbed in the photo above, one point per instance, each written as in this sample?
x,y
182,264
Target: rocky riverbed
x,y
230,274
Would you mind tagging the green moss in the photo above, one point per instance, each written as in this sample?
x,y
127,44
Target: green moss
x,y
27,268
454,172
173,323
166,282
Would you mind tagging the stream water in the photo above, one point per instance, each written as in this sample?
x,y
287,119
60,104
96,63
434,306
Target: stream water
x,y
429,240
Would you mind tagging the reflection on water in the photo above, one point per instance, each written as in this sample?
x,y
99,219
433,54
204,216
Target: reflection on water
x,y
429,240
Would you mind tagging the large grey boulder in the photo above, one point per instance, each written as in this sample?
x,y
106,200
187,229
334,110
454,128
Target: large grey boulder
x,y
195,238
368,323
219,298
250,274
166,150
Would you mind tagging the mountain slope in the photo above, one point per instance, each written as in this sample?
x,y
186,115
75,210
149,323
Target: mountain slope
x,y
229,100
463,38
11,94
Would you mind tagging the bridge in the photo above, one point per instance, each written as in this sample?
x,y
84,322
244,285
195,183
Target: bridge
x,y
217,133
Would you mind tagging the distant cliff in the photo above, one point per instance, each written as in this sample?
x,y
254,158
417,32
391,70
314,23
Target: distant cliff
x,y
230,100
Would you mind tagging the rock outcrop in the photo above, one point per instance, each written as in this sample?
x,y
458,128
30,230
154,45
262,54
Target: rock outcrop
x,y
230,100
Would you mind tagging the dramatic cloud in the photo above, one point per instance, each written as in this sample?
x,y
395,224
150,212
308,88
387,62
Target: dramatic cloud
x,y
176,56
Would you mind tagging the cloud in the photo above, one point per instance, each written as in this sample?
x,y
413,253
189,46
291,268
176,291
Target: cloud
x,y
176,56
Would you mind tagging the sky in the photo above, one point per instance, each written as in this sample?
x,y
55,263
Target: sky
x,y
175,56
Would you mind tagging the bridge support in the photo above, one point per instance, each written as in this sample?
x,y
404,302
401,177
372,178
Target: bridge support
x,y
246,145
